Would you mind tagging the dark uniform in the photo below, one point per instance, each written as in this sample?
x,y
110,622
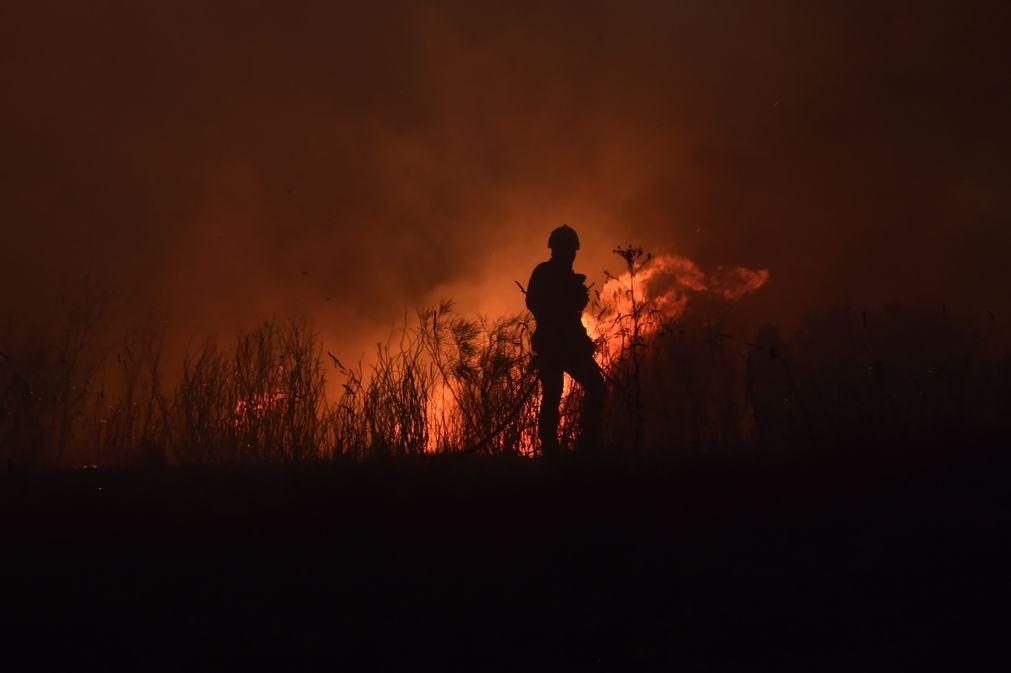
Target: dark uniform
x,y
557,296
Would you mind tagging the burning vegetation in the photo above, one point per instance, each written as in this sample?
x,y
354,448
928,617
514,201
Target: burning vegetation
x,y
655,290
677,380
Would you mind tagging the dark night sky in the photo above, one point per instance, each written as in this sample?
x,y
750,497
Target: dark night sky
x,y
210,163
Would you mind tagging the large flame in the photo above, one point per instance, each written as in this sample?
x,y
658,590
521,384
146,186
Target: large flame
x,y
665,285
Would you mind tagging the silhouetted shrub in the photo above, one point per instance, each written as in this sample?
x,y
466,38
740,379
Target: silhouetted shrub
x,y
849,380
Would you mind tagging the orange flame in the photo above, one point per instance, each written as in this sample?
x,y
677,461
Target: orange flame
x,y
667,284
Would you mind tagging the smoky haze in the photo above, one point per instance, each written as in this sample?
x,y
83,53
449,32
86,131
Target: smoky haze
x,y
212,164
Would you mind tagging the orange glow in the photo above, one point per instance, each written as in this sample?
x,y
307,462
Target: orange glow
x,y
662,289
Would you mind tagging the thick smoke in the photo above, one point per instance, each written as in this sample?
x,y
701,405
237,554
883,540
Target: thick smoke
x,y
212,164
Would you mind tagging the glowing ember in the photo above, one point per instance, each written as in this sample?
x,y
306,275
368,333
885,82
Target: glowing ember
x,y
258,405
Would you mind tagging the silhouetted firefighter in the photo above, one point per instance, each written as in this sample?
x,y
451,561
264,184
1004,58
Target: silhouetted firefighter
x,y
557,296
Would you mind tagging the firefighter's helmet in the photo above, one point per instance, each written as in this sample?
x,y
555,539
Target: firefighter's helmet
x,y
564,237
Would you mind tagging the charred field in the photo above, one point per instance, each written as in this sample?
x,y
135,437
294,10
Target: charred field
x,y
499,563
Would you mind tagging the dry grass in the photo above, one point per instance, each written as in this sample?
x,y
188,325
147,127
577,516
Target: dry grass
x,y
450,383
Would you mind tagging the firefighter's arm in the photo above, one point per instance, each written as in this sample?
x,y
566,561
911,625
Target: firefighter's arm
x,y
584,298
580,294
535,295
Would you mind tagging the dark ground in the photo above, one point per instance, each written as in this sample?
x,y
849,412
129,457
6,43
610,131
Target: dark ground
x,y
887,563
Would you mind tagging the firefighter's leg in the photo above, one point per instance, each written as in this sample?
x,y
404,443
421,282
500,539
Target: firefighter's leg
x,y
587,374
551,396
